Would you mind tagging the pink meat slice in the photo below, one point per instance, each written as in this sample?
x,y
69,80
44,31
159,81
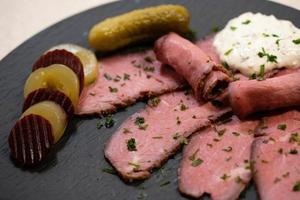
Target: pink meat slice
x,y
276,157
123,79
165,127
250,96
217,161
193,64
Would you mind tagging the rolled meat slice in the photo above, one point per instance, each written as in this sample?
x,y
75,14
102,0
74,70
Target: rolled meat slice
x,y
207,78
251,96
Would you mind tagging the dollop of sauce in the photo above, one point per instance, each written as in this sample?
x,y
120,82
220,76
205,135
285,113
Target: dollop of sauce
x,y
257,43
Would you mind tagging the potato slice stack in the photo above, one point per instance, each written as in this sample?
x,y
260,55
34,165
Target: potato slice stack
x,y
51,95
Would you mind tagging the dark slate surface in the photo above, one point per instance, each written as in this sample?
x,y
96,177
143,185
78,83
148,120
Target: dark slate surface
x,y
74,171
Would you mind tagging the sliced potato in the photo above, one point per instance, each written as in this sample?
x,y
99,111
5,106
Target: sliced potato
x,y
56,76
87,58
53,113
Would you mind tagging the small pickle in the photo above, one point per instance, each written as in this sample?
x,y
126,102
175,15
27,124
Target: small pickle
x,y
139,26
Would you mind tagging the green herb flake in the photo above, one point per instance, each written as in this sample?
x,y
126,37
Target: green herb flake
x,y
270,58
294,138
296,41
220,132
275,35
225,177
126,77
164,183
139,120
99,125
109,171
246,22
107,76
238,179
296,187
178,122
228,149
236,134
176,136
149,69
109,121
131,144
215,29
197,162
266,35
262,71
277,42
183,107
281,126
135,166
293,151
149,59
184,141
225,65
233,28
126,130
276,180
228,52
153,102
252,76
113,90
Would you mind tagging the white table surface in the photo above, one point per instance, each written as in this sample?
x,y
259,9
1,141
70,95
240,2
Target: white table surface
x,y
21,19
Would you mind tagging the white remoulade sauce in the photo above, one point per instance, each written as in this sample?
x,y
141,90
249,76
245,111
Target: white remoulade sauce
x,y
252,43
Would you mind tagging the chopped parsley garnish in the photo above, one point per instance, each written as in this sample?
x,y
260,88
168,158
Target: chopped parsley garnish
x,y
296,41
109,171
158,137
293,151
233,28
270,57
176,136
126,130
142,195
178,121
113,90
253,76
117,78
131,144
184,141
275,35
197,162
149,69
225,65
296,187
236,134
126,76
183,107
225,177
238,179
107,76
220,132
139,120
99,125
228,149
228,52
294,138
215,29
148,59
108,122
135,166
154,101
262,71
277,42
266,35
276,180
246,22
164,183
281,126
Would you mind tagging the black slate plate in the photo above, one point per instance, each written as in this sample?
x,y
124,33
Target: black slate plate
x,y
75,171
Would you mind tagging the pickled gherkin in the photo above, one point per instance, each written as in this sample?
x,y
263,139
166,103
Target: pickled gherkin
x,y
138,26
